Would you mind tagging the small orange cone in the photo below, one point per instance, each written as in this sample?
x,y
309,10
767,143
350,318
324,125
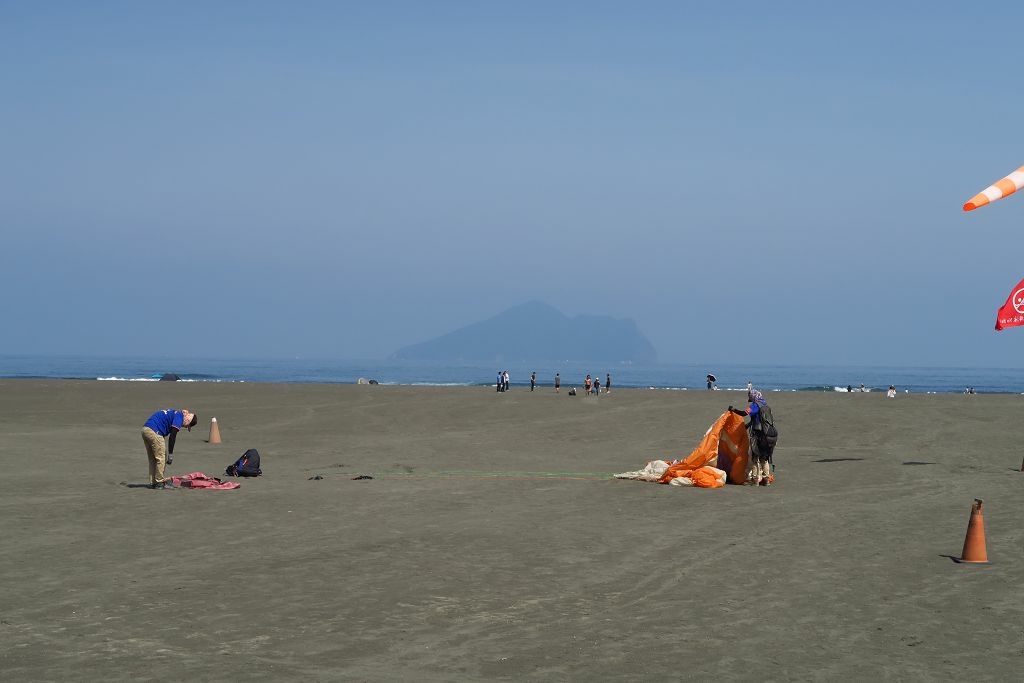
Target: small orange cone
x,y
974,544
214,432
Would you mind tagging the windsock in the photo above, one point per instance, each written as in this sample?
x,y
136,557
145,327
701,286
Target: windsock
x,y
998,190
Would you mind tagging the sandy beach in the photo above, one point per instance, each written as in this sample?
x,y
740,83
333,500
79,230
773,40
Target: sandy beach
x,y
492,542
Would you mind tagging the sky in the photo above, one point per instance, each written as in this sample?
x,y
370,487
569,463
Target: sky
x,y
776,183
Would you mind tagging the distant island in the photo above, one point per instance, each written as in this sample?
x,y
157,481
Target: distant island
x,y
535,331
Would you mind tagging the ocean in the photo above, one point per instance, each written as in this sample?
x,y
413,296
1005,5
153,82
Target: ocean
x,y
666,376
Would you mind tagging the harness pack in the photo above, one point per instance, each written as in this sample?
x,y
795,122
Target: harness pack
x,y
246,466
765,434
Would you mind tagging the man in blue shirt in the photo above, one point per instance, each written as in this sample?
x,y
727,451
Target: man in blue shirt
x,y
164,423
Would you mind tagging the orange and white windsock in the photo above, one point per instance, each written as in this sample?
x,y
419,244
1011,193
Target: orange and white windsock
x,y
998,190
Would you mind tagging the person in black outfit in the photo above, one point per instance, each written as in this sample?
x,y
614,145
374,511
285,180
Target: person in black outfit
x,y
762,435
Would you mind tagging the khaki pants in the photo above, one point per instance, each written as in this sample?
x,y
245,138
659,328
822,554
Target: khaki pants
x,y
156,449
757,470
761,470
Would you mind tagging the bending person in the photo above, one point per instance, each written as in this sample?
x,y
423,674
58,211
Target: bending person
x,y
164,423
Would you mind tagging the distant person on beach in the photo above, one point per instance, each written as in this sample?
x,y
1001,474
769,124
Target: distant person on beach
x,y
608,383
164,423
587,383
533,380
500,384
558,382
597,386
762,436
506,380
891,393
849,388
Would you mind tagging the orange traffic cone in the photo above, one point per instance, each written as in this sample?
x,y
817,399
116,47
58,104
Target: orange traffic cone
x,y
974,544
214,432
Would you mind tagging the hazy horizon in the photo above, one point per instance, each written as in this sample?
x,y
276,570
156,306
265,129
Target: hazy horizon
x,y
747,182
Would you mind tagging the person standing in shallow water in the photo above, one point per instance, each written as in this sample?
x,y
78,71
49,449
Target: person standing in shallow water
x,y
558,382
608,383
533,380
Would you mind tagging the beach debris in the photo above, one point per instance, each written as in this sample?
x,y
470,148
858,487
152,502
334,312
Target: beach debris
x,y
974,551
316,477
214,431
999,189
361,476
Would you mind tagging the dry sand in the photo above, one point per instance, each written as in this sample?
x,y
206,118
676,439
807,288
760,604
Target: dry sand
x,y
492,542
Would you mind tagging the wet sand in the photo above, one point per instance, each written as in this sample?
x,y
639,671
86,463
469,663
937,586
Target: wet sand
x,y
492,542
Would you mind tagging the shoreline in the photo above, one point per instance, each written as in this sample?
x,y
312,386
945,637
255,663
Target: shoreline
x,y
680,376
517,386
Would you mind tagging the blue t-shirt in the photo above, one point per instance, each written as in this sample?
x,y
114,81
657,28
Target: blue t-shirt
x,y
754,411
163,421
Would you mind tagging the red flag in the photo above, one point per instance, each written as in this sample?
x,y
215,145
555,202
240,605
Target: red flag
x,y
1012,312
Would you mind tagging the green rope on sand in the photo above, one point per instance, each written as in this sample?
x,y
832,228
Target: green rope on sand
x,y
468,474
486,475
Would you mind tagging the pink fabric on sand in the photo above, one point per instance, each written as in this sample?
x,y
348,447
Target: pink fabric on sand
x,y
198,480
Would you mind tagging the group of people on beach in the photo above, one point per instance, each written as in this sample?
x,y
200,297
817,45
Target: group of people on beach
x,y
502,383
592,386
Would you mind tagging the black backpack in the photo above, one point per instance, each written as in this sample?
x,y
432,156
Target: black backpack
x,y
767,436
246,466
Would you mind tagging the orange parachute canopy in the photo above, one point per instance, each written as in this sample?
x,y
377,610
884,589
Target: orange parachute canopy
x,y
1001,188
724,446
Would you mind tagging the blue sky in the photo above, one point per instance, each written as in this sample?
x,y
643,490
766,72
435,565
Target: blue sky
x,y
776,182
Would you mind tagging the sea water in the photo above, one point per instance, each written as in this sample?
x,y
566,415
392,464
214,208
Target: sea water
x,y
665,376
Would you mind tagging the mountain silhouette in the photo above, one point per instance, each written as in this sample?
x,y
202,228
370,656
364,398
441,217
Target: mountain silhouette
x,y
535,331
